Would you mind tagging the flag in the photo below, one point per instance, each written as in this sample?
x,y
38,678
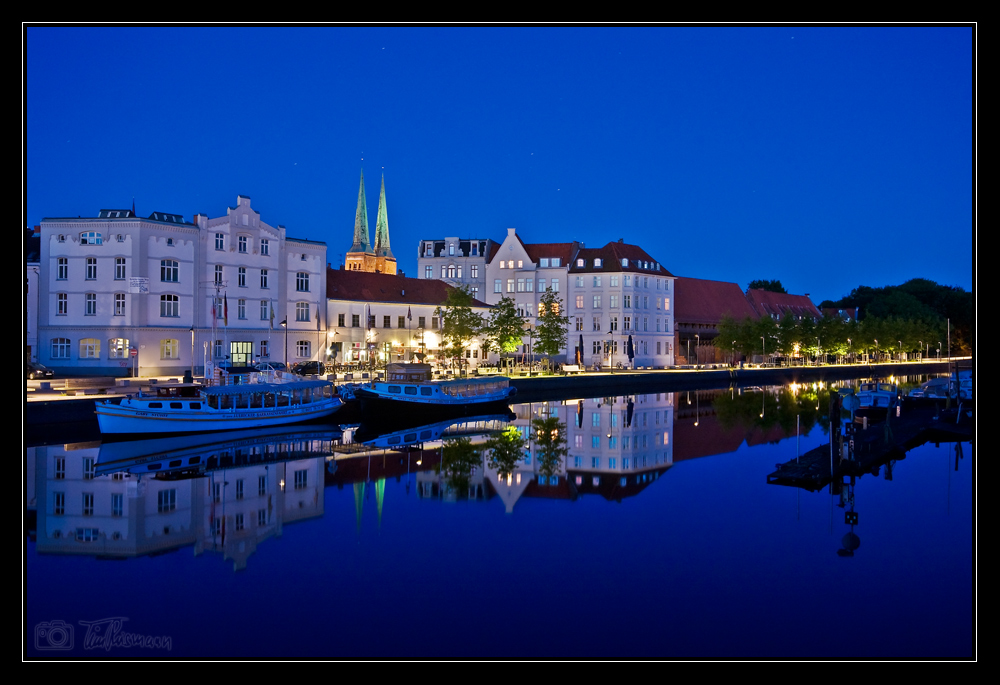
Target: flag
x,y
225,310
409,314
213,310
272,316
368,316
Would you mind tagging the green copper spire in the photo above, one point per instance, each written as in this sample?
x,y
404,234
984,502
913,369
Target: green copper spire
x,y
382,227
361,221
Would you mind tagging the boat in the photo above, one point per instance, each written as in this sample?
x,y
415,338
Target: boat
x,y
263,400
934,388
876,398
409,388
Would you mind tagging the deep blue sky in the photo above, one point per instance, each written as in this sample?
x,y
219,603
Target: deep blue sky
x,y
824,157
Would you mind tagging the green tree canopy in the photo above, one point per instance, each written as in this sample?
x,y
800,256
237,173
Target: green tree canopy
x,y
771,286
550,439
552,327
460,324
505,449
502,331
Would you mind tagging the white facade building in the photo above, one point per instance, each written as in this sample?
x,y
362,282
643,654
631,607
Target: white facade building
x,y
179,294
457,262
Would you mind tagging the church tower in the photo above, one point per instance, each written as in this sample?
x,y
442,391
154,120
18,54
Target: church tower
x,y
361,256
385,262
375,256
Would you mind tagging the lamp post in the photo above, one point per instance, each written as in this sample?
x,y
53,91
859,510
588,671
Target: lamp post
x,y
817,351
192,352
697,346
734,353
284,324
763,352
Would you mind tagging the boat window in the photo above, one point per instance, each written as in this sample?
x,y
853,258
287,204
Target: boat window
x,y
175,463
410,390
176,405
394,440
156,405
410,437
424,435
425,391
195,405
153,467
394,388
193,460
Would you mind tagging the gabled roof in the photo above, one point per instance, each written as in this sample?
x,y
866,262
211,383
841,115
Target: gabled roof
x,y
536,251
612,257
776,305
362,286
707,302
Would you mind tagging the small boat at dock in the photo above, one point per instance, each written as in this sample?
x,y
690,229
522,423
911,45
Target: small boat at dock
x,y
409,388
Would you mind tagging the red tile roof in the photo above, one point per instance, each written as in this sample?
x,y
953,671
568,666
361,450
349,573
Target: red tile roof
x,y
361,286
776,305
707,302
612,255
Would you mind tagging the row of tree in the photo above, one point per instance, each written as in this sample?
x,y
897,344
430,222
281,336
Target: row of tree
x,y
503,330
830,336
505,449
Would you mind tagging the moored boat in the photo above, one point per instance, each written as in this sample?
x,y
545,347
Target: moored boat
x,y
408,387
876,398
189,407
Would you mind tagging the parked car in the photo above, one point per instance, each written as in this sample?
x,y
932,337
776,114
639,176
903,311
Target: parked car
x,y
312,368
271,366
35,370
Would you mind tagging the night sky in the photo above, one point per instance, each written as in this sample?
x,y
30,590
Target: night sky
x,y
825,157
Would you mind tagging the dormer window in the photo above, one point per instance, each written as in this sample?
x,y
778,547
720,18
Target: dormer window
x,y
543,262
597,263
91,238
556,261
170,242
580,263
625,261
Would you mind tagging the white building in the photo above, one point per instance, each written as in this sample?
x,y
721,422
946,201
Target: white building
x,y
161,295
388,317
457,262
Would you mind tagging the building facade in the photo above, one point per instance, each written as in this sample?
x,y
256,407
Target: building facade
x,y
457,261
119,294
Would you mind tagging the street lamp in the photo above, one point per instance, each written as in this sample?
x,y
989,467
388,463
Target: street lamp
x,y
284,324
763,352
697,345
192,353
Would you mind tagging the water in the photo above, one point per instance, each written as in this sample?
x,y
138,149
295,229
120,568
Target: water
x,y
693,556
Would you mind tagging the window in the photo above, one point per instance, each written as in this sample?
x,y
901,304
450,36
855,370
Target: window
x,y
168,305
451,249
579,323
117,503
91,268
627,281
428,272
520,285
386,322
90,348
219,308
597,301
401,322
169,349
579,281
241,309
62,269
302,282
510,285
340,319
579,263
58,503
264,352
444,271
62,304
355,320
666,303
239,488
541,285
474,271
579,301
597,323
302,348
261,485
614,302
241,277
218,274
119,268
242,242
301,311
91,304
262,517
530,283
628,323
88,504
451,271
168,271
626,301
597,263
217,349
497,286
91,238
428,249
118,348
263,278
220,241
119,304
543,262
421,322
301,479
60,348
614,324
265,247
166,500
555,285
597,281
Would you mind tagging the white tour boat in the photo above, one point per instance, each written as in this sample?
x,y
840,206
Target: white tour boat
x,y
409,388
266,400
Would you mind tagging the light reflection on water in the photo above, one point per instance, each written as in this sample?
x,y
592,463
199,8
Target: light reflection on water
x,y
676,548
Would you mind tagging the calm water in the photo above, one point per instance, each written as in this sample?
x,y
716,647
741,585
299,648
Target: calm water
x,y
683,550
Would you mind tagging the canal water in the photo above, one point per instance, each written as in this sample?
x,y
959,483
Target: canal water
x,y
658,537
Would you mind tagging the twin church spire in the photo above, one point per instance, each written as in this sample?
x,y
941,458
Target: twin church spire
x,y
365,255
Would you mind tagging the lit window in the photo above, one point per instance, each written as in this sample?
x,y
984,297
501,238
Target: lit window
x,y
169,349
118,348
90,348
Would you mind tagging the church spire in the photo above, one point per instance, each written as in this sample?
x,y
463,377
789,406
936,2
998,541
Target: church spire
x,y
382,227
361,221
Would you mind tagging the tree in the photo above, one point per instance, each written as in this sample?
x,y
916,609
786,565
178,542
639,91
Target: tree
x,y
770,286
505,449
460,324
550,440
502,332
551,331
458,458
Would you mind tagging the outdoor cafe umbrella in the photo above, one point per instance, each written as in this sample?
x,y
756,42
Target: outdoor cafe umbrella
x,y
630,350
579,352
